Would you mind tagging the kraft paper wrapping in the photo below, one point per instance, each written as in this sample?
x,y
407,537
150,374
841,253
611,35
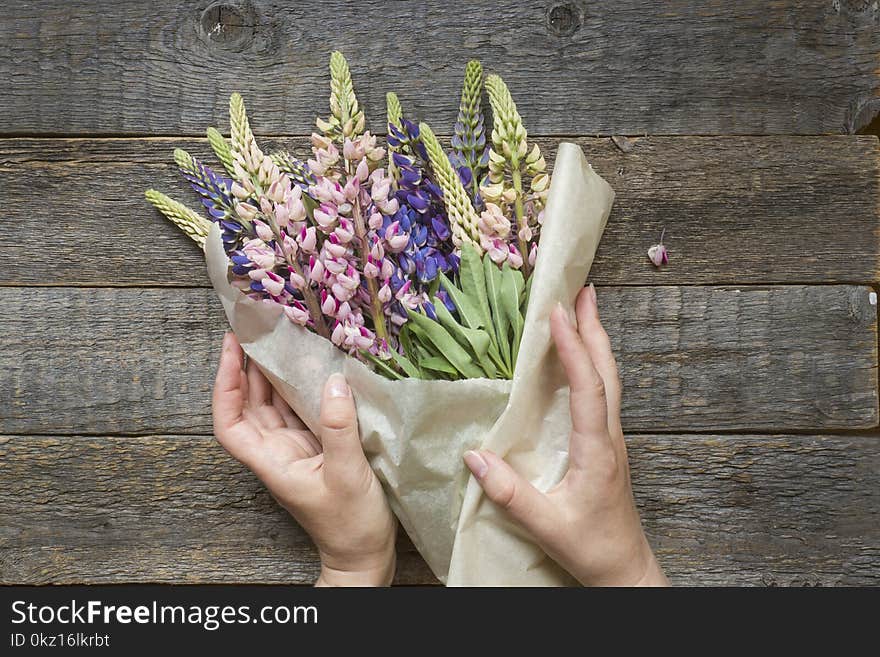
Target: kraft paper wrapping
x,y
414,432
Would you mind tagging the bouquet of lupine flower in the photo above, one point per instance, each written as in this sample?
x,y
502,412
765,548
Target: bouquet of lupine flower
x,y
412,258
410,267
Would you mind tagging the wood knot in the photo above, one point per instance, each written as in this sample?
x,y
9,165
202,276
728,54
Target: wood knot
x,y
230,24
565,19
863,116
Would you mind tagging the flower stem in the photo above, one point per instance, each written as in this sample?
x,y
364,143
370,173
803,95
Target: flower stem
x,y
520,213
308,294
312,302
376,309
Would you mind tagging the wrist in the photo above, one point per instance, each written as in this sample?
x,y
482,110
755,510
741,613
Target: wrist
x,y
380,574
637,567
654,575
649,572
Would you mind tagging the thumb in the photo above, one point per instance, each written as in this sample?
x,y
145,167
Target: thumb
x,y
343,454
512,492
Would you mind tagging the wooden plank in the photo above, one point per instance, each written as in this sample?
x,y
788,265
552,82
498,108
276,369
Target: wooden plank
x,y
628,67
720,510
735,209
133,361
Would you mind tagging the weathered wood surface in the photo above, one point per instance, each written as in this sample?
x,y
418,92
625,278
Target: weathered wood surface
x,y
736,210
768,509
627,67
122,360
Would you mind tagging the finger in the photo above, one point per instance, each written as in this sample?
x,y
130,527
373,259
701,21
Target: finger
x,y
588,406
595,338
289,417
228,398
344,458
259,388
509,490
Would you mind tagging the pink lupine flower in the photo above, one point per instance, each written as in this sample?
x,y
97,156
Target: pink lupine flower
x,y
370,268
308,239
246,211
316,269
259,253
658,254
496,249
263,231
289,246
273,283
335,266
341,292
363,171
533,255
296,280
344,232
333,247
328,304
326,215
350,279
297,314
514,257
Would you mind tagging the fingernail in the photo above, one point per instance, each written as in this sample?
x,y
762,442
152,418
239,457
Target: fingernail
x,y
476,464
593,293
337,386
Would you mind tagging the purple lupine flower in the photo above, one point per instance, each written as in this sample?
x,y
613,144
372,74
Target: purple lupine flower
x,y
423,213
470,153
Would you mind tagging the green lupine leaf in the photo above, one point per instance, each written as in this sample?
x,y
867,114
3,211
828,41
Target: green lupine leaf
x,y
524,302
382,367
446,344
474,319
406,365
477,340
438,364
467,310
406,341
426,352
492,277
512,285
472,278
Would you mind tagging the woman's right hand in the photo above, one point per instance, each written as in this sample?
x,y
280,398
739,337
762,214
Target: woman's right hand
x,y
588,523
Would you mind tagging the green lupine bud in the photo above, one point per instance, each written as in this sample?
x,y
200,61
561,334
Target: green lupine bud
x,y
189,221
240,128
462,215
221,149
394,115
346,119
184,160
395,112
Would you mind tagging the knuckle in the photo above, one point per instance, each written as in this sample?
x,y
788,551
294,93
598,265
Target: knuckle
x,y
506,494
337,417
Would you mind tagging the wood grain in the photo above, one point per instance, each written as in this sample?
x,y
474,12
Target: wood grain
x,y
628,67
735,209
719,510
134,361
